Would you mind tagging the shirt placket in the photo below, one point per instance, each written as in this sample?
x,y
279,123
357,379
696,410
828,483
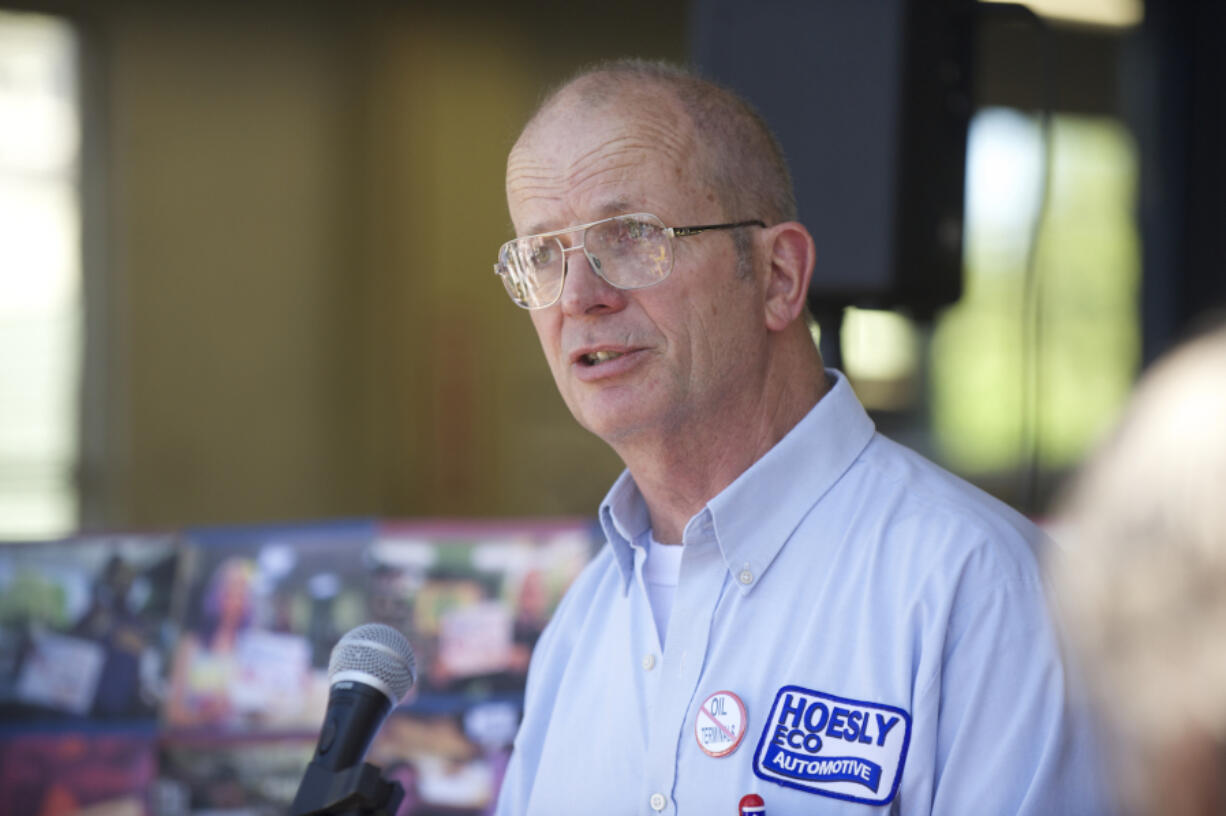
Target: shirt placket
x,y
702,581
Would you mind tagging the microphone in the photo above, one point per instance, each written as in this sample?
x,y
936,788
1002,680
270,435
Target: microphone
x,y
371,669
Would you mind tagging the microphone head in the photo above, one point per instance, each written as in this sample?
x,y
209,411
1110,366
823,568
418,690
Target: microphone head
x,y
376,655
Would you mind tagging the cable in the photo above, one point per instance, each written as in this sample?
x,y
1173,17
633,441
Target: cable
x,y
1032,312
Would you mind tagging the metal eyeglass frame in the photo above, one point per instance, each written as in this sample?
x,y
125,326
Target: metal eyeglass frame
x,y
671,232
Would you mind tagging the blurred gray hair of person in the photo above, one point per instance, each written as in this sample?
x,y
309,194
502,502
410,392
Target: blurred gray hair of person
x,y
1139,578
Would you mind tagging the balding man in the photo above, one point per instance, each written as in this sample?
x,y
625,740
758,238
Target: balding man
x,y
789,604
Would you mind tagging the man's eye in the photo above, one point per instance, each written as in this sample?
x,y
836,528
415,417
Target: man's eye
x,y
629,232
541,255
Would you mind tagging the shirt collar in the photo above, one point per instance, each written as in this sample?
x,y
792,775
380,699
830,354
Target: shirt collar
x,y
757,513
623,518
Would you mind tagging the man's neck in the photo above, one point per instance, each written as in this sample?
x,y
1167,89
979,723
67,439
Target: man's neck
x,y
677,476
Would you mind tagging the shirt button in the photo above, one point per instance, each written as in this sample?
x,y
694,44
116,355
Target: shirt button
x,y
658,802
649,662
745,577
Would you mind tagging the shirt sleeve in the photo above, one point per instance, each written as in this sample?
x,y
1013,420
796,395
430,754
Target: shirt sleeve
x,y
516,786
545,670
1013,737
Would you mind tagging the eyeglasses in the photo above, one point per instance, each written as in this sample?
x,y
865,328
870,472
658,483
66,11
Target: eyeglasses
x,y
627,251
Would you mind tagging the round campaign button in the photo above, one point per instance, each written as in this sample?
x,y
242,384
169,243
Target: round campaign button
x,y
751,804
720,724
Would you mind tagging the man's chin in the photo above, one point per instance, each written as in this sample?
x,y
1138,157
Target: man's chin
x,y
614,424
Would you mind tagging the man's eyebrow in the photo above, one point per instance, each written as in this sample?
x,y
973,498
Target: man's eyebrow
x,y
608,210
616,207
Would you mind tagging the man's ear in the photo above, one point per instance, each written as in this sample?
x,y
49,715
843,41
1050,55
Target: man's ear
x,y
791,254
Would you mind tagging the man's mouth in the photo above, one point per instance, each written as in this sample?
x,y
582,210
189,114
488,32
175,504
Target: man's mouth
x,y
595,357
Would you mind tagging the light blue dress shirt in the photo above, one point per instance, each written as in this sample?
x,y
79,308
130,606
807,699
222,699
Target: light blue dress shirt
x,y
882,622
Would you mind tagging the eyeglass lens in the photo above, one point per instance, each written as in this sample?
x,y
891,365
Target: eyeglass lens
x,y
630,252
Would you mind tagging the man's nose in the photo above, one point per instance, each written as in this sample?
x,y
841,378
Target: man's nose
x,y
584,291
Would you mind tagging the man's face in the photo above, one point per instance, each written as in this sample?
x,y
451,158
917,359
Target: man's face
x,y
662,360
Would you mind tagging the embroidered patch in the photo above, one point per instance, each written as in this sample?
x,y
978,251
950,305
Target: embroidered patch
x,y
848,749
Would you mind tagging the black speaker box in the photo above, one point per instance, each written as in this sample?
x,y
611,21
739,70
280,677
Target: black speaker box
x,y
871,100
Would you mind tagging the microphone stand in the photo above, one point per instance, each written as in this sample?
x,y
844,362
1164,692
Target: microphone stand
x,y
359,790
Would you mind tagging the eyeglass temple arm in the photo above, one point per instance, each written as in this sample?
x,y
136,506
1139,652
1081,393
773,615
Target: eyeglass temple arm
x,y
681,232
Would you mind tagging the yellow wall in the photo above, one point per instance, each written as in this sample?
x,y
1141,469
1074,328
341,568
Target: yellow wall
x,y
301,210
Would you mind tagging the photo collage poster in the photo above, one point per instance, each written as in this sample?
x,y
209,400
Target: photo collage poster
x,y
198,661
86,634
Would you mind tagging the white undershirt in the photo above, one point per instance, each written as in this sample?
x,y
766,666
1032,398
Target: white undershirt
x,y
661,570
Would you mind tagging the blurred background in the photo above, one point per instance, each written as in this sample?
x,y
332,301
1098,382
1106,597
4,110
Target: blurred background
x,y
248,316
245,252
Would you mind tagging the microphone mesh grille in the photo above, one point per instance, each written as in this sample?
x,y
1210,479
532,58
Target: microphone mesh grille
x,y
378,650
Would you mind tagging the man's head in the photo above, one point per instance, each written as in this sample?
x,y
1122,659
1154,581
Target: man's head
x,y
635,137
1142,581
739,157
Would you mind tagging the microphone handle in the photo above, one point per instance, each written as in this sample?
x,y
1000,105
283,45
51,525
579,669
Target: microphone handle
x,y
355,712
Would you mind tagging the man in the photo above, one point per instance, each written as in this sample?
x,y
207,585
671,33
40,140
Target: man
x,y
789,605
1142,582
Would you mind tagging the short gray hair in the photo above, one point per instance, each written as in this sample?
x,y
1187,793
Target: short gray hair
x,y
745,165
